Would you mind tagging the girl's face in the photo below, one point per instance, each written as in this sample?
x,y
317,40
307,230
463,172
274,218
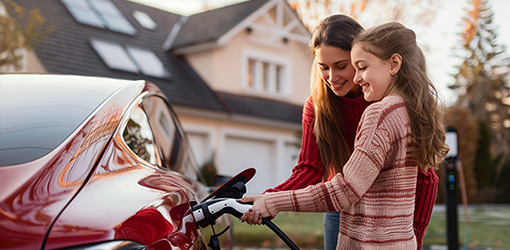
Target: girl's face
x,y
336,70
372,73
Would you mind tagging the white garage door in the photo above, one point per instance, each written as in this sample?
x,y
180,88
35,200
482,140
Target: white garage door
x,y
200,146
291,154
241,153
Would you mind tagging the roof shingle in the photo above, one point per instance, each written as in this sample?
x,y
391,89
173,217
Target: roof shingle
x,y
209,26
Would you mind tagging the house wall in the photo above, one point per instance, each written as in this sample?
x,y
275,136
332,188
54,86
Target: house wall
x,y
223,68
237,145
29,63
33,65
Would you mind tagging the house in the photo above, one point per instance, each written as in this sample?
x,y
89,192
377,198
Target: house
x,y
237,76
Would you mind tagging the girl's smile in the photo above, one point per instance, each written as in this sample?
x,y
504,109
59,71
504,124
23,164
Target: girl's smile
x,y
364,86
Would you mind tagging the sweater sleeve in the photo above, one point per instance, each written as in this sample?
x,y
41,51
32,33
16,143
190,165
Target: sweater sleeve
x,y
426,191
379,130
309,169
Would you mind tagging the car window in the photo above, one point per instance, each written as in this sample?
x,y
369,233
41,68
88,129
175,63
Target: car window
x,y
138,136
170,139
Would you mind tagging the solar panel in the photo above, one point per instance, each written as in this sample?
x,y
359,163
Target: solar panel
x,y
144,19
99,13
148,62
82,13
112,17
114,55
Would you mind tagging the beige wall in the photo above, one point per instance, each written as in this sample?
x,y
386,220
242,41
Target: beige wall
x,y
29,63
33,64
221,67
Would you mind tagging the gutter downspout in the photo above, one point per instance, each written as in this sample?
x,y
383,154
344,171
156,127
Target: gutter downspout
x,y
174,32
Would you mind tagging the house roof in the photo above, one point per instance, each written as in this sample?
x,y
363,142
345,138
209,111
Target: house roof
x,y
68,50
209,26
259,107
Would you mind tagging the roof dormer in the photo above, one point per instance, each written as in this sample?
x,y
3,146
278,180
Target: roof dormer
x,y
275,23
268,21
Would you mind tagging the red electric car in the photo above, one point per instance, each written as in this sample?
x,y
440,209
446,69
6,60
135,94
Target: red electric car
x,y
93,163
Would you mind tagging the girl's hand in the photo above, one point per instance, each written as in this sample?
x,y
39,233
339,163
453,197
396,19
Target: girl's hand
x,y
258,211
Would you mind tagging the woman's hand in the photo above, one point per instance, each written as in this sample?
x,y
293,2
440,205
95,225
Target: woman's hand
x,y
258,211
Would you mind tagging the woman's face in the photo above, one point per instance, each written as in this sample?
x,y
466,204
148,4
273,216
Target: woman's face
x,y
372,73
336,70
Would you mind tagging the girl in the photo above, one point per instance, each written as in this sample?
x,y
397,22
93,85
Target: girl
x,y
400,133
330,114
330,118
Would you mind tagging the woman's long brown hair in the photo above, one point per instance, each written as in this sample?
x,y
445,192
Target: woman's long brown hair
x,y
339,31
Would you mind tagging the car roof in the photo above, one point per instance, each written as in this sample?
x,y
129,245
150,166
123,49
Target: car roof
x,y
39,111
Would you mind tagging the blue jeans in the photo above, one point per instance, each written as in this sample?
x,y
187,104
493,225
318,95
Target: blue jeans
x,y
331,225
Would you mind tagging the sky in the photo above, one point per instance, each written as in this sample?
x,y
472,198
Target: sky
x,y
437,40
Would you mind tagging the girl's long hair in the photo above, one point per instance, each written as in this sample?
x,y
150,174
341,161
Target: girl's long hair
x,y
339,31
412,82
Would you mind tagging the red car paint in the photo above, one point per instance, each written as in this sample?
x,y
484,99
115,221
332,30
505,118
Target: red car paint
x,y
92,187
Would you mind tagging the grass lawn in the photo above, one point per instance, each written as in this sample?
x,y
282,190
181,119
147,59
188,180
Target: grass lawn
x,y
489,227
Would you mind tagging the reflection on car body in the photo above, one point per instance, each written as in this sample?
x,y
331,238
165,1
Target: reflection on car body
x,y
93,162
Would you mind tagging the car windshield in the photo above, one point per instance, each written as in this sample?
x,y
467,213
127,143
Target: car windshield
x,y
39,112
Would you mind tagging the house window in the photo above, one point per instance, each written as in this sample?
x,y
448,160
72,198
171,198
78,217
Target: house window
x,y
144,19
99,13
266,74
279,76
251,73
130,59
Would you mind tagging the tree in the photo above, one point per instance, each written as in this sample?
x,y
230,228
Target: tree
x,y
468,129
407,11
16,37
482,81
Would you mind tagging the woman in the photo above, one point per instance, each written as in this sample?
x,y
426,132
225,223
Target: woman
x,y
330,119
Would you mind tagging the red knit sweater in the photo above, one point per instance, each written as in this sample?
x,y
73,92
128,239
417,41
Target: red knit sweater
x,y
308,170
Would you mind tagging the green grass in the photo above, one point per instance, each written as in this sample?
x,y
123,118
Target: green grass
x,y
305,229
488,228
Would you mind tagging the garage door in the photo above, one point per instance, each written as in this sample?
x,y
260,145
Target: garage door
x,y
241,153
200,147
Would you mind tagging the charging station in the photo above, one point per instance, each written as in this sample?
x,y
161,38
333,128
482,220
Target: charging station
x,y
451,189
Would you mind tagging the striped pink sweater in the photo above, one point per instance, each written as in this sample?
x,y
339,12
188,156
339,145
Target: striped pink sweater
x,y
376,192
